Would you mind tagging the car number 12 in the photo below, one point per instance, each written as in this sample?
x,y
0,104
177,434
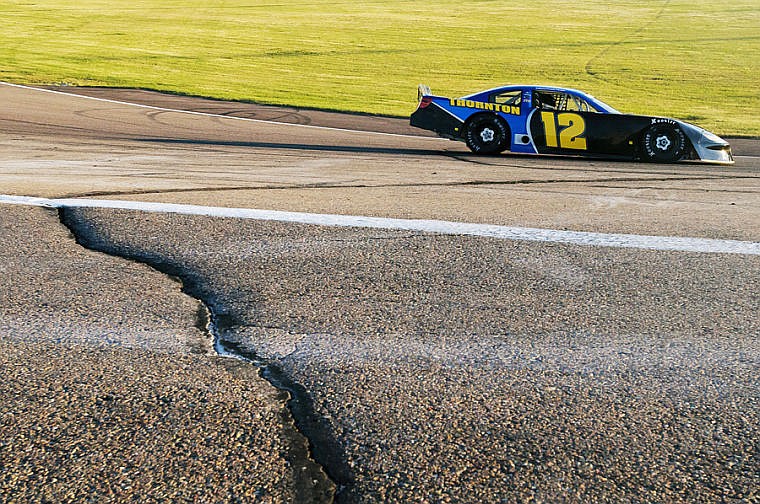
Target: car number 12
x,y
571,133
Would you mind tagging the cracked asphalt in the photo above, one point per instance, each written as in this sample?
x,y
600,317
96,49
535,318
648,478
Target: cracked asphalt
x,y
431,368
111,391
465,369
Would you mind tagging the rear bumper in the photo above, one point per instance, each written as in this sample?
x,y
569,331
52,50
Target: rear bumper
x,y
434,118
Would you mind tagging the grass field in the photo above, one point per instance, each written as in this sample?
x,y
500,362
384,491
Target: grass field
x,y
697,60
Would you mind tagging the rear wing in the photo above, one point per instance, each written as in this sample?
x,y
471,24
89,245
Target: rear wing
x,y
423,90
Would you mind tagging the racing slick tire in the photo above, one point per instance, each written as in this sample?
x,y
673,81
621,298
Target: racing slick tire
x,y
663,143
486,134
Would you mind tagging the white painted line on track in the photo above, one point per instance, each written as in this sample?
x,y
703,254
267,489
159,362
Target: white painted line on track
x,y
670,243
218,116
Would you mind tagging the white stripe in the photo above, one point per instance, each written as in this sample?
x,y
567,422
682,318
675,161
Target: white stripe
x,y
207,114
673,243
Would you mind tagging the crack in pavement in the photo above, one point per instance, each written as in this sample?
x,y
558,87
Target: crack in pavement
x,y
467,183
319,468
683,189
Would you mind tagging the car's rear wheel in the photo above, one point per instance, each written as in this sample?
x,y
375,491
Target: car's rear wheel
x,y
486,134
663,143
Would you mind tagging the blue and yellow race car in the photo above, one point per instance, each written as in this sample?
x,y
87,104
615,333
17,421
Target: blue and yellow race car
x,y
555,120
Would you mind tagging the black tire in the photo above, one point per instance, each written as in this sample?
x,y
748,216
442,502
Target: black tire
x,y
663,143
486,134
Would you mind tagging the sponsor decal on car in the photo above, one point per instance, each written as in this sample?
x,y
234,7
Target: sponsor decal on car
x,y
494,107
662,120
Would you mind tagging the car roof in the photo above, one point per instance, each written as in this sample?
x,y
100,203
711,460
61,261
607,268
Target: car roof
x,y
514,87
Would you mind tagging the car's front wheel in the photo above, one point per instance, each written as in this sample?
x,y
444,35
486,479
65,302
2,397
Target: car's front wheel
x,y
486,134
663,143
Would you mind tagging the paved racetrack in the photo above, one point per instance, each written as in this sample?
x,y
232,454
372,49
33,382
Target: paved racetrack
x,y
425,366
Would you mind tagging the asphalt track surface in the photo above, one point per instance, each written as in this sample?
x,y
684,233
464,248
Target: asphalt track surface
x,y
424,367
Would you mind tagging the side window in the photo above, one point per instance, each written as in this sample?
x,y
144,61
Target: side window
x,y
546,100
507,98
578,104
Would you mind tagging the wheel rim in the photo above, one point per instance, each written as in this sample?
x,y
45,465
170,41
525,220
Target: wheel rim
x,y
487,135
663,143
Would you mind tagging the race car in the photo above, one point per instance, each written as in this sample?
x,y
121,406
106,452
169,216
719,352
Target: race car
x,y
556,120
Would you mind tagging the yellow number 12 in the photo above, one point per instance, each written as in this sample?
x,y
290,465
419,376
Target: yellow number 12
x,y
571,134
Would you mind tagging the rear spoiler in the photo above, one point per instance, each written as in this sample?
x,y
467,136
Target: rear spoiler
x,y
423,90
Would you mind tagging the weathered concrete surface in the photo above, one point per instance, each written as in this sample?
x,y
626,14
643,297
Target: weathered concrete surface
x,y
57,145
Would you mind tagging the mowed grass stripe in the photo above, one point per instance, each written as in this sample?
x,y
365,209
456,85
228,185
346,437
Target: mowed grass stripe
x,y
694,60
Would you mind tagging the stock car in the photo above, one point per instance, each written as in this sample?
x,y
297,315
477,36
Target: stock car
x,y
557,120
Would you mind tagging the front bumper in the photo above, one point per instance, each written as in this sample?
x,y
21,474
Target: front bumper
x,y
708,147
711,152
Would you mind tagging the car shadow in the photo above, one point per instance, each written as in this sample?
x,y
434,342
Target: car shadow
x,y
300,147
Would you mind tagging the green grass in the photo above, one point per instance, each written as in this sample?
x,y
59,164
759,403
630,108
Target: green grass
x,y
697,60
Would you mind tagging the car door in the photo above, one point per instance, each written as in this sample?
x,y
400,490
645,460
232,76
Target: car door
x,y
515,107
